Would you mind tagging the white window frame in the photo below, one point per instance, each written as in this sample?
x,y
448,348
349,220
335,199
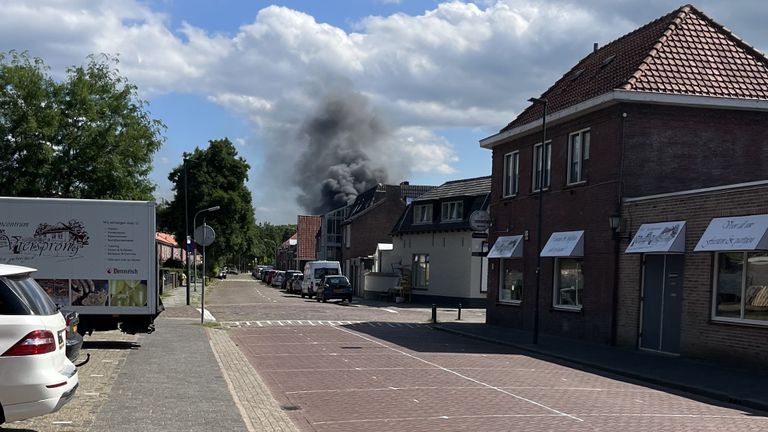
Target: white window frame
x,y
415,271
713,312
535,167
418,214
445,216
583,155
501,283
511,180
556,287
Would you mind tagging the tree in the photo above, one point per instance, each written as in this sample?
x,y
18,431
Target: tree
x,y
216,177
88,136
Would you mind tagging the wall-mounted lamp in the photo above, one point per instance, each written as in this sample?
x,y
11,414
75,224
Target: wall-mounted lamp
x,y
615,223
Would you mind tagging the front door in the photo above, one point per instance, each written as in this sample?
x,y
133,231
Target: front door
x,y
662,303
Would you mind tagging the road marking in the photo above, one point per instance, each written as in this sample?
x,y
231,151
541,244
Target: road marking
x,y
207,316
61,422
389,419
391,311
460,375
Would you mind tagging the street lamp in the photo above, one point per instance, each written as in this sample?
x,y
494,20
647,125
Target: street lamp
x,y
543,102
186,222
194,223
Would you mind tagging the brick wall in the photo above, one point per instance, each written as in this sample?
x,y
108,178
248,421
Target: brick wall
x,y
700,337
374,225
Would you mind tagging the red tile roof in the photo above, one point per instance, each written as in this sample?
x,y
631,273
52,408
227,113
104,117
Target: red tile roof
x,y
166,238
306,230
683,52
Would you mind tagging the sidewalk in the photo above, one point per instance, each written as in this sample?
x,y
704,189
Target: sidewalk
x,y
739,386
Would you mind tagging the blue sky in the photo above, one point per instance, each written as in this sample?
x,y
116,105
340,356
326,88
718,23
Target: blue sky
x,y
430,77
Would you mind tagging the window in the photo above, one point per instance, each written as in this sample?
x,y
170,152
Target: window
x,y
741,287
541,163
422,214
348,235
421,271
510,281
569,282
453,211
578,156
511,173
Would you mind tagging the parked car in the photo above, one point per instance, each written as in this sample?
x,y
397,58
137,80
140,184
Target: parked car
x,y
313,271
288,280
296,283
278,278
334,287
36,377
222,274
74,339
268,276
233,270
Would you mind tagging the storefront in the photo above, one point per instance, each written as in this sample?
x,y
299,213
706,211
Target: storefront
x,y
567,248
694,274
509,250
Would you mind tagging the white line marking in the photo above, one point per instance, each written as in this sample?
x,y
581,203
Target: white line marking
x,y
61,422
391,311
97,376
463,376
433,418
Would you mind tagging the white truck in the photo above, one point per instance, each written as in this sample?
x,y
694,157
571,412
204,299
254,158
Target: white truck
x,y
96,257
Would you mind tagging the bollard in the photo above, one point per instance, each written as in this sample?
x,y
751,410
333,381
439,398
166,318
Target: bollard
x,y
459,318
434,314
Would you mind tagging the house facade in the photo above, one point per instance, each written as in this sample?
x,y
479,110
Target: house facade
x,y
368,223
307,227
680,104
329,237
437,250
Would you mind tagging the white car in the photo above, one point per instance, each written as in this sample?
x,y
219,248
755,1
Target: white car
x,y
36,378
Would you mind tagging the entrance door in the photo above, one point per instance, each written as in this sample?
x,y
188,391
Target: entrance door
x,y
662,303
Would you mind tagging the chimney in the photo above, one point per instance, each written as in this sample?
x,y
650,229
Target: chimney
x,y
594,47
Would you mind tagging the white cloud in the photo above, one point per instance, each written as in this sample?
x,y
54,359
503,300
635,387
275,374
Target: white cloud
x,y
461,64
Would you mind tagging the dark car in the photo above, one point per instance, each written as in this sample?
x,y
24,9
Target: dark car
x,y
334,287
296,283
287,283
74,339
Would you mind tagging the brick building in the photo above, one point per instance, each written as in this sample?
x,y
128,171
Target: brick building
x,y
306,236
679,104
369,221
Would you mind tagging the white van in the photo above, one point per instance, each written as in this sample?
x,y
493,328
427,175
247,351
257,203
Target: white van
x,y
313,271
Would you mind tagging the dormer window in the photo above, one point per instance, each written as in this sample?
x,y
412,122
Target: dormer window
x,y
422,214
452,211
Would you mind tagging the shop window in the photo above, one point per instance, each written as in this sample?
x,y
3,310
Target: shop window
x,y
420,271
511,174
510,281
578,156
569,283
741,287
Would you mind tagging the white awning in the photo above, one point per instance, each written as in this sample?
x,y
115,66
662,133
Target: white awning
x,y
661,237
740,233
507,247
565,244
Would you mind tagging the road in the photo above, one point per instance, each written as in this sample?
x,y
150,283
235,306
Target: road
x,y
277,362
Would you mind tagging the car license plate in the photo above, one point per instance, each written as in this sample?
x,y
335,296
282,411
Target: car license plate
x,y
339,291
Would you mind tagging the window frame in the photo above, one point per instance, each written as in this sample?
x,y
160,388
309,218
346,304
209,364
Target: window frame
x,y
583,156
742,308
511,181
501,283
547,145
460,211
419,221
415,271
556,286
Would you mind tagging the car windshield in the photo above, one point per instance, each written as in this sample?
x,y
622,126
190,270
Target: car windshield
x,y
320,272
336,280
21,295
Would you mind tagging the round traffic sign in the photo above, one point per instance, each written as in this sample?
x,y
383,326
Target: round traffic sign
x,y
204,235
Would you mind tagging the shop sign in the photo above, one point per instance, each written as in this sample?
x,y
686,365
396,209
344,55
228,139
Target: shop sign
x,y
662,237
507,247
739,233
565,244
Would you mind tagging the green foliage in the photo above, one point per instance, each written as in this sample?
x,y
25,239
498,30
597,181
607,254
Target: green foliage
x,y
173,263
216,176
269,237
88,136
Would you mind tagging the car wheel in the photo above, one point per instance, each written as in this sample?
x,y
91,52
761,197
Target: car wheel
x,y
325,301
349,299
317,299
302,295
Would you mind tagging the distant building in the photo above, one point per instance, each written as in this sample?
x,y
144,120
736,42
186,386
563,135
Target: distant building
x,y
306,236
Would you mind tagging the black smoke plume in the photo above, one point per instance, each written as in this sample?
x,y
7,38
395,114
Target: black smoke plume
x,y
335,166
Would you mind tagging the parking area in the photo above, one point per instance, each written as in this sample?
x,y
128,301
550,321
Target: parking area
x,y
390,377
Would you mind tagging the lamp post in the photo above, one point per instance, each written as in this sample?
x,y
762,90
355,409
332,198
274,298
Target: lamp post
x,y
186,223
543,102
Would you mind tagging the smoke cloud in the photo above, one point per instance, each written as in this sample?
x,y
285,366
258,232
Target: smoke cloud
x,y
336,164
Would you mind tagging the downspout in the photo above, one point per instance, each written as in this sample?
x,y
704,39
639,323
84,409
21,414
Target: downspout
x,y
617,238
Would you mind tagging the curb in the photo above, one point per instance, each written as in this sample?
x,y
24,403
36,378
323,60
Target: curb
x,y
720,396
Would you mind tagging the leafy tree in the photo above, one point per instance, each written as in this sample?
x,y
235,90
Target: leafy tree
x,y
216,176
88,136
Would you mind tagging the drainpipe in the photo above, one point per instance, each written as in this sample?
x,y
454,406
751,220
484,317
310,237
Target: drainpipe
x,y
617,239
